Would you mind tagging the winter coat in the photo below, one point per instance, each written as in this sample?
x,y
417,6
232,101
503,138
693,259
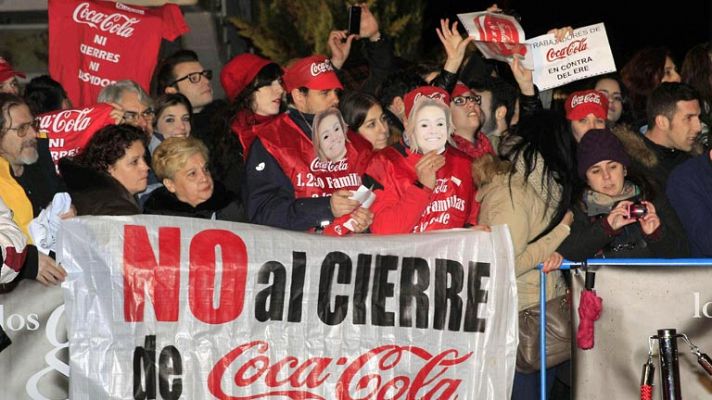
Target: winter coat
x,y
221,205
95,192
521,205
690,192
593,237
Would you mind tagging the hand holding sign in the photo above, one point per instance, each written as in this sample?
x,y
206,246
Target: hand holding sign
x,y
497,36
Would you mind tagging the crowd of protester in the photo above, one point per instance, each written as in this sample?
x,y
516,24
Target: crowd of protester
x,y
622,168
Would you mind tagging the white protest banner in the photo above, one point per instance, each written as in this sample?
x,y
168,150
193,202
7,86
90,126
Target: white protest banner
x,y
36,364
169,308
637,302
497,36
583,54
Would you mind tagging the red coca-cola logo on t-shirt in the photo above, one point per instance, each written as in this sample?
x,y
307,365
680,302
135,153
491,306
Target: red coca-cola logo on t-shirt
x,y
66,121
573,48
116,23
329,166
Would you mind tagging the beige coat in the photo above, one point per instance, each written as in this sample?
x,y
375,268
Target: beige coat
x,y
523,210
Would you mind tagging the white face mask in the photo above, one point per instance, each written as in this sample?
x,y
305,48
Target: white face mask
x,y
431,130
332,139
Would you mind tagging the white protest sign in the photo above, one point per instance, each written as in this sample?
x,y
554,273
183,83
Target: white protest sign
x,y
178,308
497,36
583,54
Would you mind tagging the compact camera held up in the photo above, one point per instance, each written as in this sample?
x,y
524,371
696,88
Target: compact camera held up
x,y
637,210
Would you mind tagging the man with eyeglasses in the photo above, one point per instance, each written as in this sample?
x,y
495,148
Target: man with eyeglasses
x,y
132,104
28,180
182,72
8,78
466,117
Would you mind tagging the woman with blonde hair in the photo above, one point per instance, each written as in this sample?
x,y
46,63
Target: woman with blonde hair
x,y
181,163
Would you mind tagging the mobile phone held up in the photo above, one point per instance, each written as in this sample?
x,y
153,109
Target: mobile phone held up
x,y
354,20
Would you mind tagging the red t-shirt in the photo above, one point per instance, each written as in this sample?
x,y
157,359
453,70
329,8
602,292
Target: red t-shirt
x,y
69,131
94,43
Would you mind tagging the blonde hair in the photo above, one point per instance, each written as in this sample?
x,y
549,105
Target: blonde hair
x,y
316,139
486,166
173,153
409,132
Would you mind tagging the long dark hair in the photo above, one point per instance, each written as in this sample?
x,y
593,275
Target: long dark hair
x,y
268,74
544,137
355,106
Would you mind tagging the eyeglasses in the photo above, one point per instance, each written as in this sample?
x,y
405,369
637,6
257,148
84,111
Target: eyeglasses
x,y
24,129
133,116
195,77
462,100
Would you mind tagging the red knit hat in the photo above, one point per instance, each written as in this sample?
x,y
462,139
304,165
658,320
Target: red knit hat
x,y
6,71
579,104
313,72
416,94
239,72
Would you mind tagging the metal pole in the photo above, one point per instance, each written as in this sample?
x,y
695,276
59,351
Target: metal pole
x,y
669,368
542,334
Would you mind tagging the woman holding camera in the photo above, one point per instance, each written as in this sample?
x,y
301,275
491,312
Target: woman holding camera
x,y
618,215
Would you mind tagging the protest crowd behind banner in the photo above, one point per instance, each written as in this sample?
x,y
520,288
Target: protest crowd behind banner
x,y
270,267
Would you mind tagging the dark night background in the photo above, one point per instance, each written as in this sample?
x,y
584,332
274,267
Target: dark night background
x,y
630,26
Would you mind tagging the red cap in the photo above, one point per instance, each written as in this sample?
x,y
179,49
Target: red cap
x,y
314,72
416,94
460,89
239,72
579,104
6,71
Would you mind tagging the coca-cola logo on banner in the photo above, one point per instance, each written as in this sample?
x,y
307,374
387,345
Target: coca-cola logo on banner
x,y
116,23
587,98
329,166
250,364
318,68
573,48
66,121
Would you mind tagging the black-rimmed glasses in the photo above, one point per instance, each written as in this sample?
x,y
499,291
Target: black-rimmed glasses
x,y
133,116
462,100
194,77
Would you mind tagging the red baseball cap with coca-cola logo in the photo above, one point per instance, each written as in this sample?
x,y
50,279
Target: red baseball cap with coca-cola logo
x,y
416,94
6,71
579,104
313,72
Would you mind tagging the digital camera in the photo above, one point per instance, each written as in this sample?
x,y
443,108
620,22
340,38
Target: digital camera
x,y
637,210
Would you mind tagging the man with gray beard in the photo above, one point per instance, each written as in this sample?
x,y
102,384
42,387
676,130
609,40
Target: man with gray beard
x,y
28,181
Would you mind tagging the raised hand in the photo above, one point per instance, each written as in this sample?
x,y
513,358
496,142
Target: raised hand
x,y
340,46
453,44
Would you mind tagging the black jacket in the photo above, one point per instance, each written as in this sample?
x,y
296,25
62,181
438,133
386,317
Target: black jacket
x,y
40,180
96,193
222,205
593,237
